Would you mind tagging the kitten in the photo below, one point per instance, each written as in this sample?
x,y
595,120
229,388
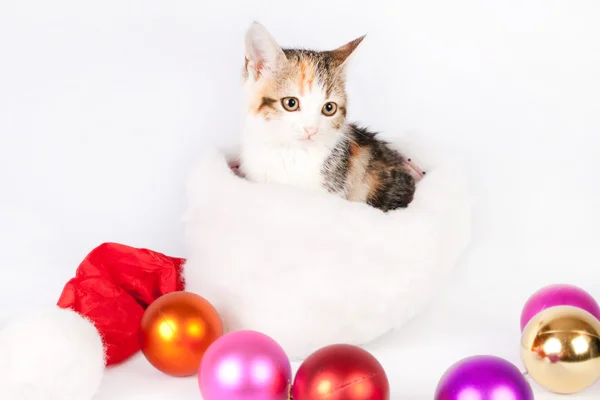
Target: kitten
x,y
296,131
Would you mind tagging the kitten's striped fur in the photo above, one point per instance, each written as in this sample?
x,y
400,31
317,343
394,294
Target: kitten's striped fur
x,y
311,144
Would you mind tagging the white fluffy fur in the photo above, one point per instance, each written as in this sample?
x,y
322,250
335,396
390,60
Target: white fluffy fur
x,y
278,150
311,269
50,355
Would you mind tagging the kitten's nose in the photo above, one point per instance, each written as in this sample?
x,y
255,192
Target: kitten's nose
x,y
311,131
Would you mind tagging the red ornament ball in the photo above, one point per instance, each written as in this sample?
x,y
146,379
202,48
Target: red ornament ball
x,y
341,372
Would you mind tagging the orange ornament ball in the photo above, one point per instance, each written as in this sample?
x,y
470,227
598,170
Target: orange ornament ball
x,y
176,330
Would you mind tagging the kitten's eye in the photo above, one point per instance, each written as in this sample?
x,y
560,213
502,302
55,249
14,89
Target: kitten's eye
x,y
329,109
290,103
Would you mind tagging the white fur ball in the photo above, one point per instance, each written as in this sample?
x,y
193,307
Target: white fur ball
x,y
54,354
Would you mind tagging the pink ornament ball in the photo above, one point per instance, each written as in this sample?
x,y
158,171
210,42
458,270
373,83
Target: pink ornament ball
x,y
245,365
558,295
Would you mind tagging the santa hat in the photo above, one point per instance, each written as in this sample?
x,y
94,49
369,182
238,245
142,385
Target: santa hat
x,y
61,353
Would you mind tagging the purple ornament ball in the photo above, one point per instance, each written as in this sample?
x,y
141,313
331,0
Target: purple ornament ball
x,y
245,365
558,295
483,378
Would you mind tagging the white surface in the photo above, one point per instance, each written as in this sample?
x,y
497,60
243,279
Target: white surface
x,y
103,108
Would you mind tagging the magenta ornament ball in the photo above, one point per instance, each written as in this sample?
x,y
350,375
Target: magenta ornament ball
x,y
558,295
483,378
245,365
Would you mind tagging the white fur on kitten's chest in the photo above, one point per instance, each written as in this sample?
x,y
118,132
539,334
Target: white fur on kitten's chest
x,y
299,166
269,155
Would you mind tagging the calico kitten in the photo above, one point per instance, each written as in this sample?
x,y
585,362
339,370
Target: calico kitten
x,y
296,131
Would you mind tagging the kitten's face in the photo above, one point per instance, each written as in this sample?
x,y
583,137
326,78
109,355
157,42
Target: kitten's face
x,y
294,97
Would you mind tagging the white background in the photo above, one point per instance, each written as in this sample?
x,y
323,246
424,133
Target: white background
x,y
103,106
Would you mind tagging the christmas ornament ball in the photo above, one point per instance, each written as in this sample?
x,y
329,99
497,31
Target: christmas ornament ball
x,y
245,365
483,377
341,372
558,295
560,348
176,330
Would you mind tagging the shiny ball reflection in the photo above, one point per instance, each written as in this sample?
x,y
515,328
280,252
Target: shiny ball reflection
x,y
483,378
341,372
560,348
558,295
245,365
176,330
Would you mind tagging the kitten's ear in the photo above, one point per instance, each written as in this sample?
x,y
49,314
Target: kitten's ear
x,y
263,54
341,54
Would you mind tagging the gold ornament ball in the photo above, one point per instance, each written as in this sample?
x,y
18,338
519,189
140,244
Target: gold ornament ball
x,y
560,348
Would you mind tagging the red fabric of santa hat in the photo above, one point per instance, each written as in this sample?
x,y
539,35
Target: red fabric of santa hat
x,y
61,353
